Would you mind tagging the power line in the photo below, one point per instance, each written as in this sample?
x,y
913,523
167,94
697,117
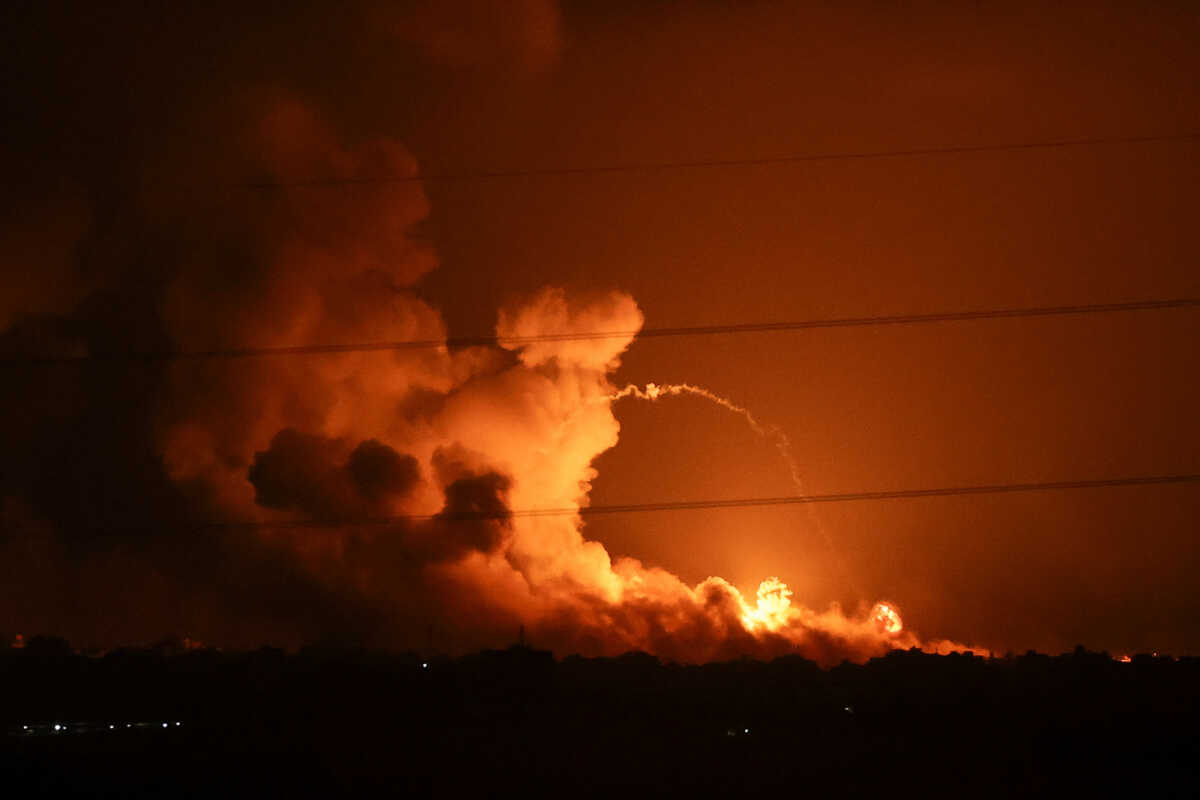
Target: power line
x,y
661,166
645,333
687,505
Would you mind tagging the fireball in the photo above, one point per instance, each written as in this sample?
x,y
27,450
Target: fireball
x,y
773,606
887,618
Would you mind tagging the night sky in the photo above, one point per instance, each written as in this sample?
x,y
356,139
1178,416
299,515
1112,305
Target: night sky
x,y
198,176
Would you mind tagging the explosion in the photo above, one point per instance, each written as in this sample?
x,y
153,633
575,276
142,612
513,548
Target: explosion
x,y
885,616
432,446
773,605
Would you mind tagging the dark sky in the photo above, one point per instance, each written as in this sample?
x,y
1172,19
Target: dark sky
x,y
126,224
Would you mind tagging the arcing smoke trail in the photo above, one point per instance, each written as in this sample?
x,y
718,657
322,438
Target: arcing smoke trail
x,y
653,391
783,445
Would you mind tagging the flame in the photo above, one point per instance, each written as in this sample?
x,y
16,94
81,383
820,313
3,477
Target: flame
x,y
887,618
774,606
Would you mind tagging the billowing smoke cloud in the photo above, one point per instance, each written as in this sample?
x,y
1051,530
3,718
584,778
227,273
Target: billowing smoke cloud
x,y
362,496
315,475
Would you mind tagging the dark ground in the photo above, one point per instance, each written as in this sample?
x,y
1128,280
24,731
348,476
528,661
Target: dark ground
x,y
338,722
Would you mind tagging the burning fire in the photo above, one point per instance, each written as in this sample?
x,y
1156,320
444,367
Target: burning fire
x,y
885,616
774,612
773,608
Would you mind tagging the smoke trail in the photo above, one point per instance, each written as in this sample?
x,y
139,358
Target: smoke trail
x,y
653,391
783,445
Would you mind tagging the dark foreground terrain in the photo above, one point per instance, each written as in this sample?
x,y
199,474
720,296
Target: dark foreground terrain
x,y
347,723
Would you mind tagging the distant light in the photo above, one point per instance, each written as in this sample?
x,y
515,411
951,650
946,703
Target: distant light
x,y
128,724
24,727
164,724
848,709
746,731
110,727
424,665
58,727
177,724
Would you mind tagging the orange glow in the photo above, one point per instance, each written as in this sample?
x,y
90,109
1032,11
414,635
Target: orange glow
x,y
419,395
885,616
